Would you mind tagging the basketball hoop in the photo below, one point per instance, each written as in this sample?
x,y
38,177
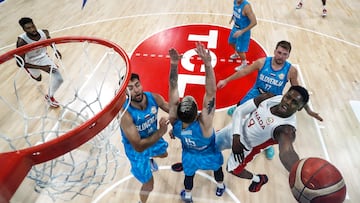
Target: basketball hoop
x,y
96,73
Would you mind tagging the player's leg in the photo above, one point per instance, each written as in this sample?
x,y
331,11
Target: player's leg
x,y
257,181
232,43
219,178
145,190
186,193
299,5
324,11
242,46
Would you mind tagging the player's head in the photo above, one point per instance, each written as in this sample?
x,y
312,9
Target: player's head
x,y
293,100
282,52
285,45
28,25
187,109
135,88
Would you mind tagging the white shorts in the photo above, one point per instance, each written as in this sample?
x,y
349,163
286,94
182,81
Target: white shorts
x,y
43,61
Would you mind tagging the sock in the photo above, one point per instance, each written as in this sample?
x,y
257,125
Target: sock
x,y
256,178
220,185
187,195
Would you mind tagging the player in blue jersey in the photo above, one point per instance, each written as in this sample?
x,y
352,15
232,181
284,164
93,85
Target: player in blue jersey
x,y
195,130
273,74
239,38
142,138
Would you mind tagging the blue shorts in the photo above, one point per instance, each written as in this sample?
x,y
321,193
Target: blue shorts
x,y
201,161
242,42
140,161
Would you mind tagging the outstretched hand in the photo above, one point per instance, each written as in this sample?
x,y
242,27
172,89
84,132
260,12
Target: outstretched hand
x,y
203,53
315,115
238,148
221,84
174,56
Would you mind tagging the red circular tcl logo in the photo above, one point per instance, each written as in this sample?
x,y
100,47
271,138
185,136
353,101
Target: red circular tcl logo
x,y
151,61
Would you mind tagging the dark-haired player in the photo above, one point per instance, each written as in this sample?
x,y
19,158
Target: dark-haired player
x,y
273,74
195,130
259,123
38,60
142,138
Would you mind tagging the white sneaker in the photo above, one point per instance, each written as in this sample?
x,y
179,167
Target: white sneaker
x,y
324,13
243,65
52,101
299,5
234,56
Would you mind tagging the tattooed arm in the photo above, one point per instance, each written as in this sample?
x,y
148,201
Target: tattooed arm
x,y
208,108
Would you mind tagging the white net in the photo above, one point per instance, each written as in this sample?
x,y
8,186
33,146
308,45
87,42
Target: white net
x,y
92,75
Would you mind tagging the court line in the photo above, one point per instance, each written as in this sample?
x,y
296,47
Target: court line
x,y
198,13
220,14
317,126
206,176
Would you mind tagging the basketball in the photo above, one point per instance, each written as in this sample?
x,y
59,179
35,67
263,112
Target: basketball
x,y
315,180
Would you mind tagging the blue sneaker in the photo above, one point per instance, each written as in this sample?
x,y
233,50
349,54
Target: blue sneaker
x,y
184,199
220,191
231,111
269,152
153,165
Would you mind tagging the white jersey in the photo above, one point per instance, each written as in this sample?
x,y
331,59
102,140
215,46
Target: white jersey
x,y
34,55
259,126
256,132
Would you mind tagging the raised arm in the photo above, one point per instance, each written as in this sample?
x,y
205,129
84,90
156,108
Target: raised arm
x,y
173,84
257,65
208,108
285,136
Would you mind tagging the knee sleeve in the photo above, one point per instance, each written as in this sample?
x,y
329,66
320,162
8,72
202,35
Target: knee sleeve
x,y
219,175
189,182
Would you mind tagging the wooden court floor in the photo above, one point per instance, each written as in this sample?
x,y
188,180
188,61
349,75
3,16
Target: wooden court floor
x,y
326,51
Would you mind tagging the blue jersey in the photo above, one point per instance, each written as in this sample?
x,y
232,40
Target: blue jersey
x,y
198,152
269,80
146,124
240,21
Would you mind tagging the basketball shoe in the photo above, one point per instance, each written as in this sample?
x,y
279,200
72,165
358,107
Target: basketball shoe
x,y
243,65
324,13
52,102
299,5
185,199
234,56
220,191
270,152
255,187
231,110
153,165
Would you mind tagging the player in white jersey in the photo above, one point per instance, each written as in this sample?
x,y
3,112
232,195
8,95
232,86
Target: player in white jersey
x,y
259,123
38,60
